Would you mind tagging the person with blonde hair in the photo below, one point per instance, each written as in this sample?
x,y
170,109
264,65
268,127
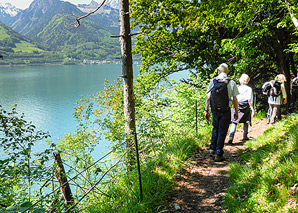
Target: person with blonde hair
x,y
275,101
245,104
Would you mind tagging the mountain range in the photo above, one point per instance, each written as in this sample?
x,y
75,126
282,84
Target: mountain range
x,y
51,24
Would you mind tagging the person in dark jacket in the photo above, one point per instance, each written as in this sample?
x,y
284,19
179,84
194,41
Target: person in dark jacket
x,y
221,119
245,104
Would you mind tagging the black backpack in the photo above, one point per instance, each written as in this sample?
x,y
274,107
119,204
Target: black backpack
x,y
275,89
219,98
295,83
272,88
266,88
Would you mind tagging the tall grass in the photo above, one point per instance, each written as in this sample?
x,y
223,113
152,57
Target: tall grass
x,y
266,180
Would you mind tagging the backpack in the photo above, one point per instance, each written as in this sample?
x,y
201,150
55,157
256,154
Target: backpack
x,y
295,83
276,88
219,98
271,88
266,88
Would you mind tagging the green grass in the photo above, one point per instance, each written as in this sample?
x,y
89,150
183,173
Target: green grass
x,y
3,34
26,47
266,179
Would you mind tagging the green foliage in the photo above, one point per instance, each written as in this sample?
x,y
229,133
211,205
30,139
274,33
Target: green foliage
x,y
254,37
268,180
166,124
20,166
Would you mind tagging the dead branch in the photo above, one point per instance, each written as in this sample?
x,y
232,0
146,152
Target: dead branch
x,y
84,16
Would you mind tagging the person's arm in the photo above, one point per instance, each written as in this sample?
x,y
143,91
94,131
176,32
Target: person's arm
x,y
207,115
284,93
251,107
235,103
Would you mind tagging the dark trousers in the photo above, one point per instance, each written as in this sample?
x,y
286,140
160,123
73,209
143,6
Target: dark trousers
x,y
293,99
221,122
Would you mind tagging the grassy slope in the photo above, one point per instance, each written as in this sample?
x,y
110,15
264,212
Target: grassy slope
x,y
267,178
15,42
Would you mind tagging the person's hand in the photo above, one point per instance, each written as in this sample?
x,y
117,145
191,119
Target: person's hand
x,y
252,112
207,115
285,101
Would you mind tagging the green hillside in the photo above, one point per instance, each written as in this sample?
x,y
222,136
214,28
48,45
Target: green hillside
x,y
12,42
89,41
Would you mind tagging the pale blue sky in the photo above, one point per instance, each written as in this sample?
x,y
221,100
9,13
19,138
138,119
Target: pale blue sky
x,y
23,4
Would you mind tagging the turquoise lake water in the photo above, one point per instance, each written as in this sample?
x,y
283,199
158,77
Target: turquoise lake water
x,y
47,94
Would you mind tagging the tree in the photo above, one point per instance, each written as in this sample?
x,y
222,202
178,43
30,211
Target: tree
x,y
255,37
127,75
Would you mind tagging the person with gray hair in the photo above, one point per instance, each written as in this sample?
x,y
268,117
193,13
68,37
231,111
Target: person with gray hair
x,y
219,94
245,104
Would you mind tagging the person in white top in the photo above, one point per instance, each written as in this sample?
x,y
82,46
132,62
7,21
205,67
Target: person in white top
x,y
245,103
275,102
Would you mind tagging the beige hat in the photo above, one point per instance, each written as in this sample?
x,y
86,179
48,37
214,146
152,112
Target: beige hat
x,y
223,68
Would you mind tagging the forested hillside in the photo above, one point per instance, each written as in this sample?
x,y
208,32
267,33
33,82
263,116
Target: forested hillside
x,y
17,49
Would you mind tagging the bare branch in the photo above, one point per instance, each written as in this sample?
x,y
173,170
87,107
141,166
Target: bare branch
x,y
84,16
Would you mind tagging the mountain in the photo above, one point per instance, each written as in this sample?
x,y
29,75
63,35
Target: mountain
x,y
110,4
7,12
12,42
32,20
51,22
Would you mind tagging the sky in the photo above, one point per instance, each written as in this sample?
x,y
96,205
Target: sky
x,y
23,4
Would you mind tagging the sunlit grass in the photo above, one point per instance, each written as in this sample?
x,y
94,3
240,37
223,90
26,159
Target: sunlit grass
x,y
266,179
26,47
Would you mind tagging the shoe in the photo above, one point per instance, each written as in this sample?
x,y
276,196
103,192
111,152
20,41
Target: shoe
x,y
245,138
211,152
230,140
219,158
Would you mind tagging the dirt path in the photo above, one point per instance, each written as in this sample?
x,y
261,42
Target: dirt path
x,y
203,185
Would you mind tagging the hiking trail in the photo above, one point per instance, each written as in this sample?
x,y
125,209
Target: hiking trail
x,y
203,184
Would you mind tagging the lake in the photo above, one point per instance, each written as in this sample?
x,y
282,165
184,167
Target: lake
x,y
47,94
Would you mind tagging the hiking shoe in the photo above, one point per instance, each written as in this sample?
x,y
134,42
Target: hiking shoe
x,y
245,138
230,140
211,152
219,158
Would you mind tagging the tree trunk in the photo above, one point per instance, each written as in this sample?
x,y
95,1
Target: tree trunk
x,y
62,179
127,72
284,67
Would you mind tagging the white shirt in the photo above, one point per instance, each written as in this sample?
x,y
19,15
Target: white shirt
x,y
245,93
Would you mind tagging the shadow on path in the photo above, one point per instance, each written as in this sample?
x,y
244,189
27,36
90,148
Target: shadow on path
x,y
203,184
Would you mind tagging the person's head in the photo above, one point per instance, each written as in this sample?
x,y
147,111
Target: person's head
x,y
280,78
223,68
244,79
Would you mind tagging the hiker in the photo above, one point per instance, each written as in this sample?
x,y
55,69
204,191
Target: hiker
x,y
275,100
219,93
245,100
294,88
